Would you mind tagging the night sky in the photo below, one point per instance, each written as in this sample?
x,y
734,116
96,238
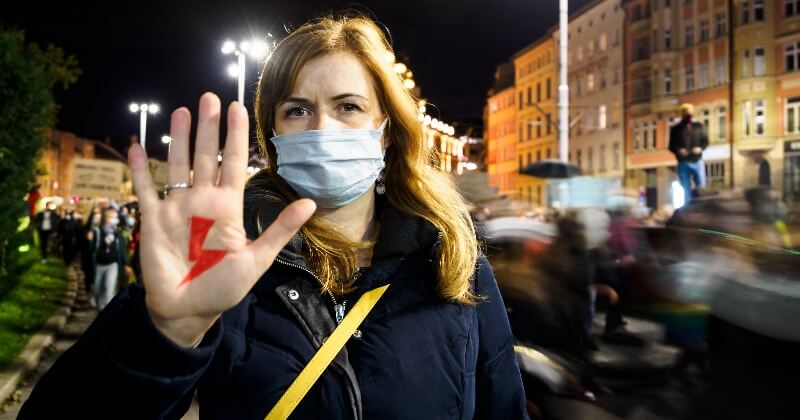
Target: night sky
x,y
169,51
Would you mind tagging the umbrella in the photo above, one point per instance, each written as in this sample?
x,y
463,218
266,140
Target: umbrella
x,y
551,168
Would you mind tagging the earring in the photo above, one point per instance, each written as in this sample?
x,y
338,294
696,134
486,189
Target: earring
x,y
380,185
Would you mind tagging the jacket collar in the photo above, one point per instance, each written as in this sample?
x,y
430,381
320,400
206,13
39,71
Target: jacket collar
x,y
401,235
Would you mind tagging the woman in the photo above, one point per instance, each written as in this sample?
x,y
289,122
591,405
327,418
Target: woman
x,y
273,286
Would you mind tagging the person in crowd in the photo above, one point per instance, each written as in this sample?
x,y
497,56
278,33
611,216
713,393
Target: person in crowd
x,y
109,257
46,222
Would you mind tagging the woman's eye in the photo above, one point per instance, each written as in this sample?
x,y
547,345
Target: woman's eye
x,y
350,107
297,112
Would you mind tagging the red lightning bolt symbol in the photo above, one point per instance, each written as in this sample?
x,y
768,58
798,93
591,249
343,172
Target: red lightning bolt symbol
x,y
205,258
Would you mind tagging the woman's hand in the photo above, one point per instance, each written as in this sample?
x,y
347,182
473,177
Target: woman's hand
x,y
196,259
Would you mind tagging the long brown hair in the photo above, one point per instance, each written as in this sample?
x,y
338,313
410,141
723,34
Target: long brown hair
x,y
412,183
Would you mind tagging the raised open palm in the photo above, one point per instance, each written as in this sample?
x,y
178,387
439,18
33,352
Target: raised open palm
x,y
196,259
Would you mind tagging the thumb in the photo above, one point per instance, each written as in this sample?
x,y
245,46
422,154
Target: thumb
x,y
270,243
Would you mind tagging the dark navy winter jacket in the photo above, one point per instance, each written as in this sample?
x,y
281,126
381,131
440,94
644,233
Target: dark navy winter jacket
x,y
417,357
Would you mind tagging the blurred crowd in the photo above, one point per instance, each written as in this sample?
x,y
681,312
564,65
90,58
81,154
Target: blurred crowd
x,y
103,241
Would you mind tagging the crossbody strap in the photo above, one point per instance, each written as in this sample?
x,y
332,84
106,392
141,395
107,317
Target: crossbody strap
x,y
325,355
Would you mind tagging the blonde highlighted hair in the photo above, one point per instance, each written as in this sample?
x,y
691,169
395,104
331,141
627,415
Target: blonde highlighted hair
x,y
413,185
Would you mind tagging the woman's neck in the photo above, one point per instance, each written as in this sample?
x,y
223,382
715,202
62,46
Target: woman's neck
x,y
356,221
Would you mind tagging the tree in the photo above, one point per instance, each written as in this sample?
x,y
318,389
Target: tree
x,y
28,76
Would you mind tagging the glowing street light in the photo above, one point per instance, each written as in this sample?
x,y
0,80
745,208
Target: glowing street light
x,y
143,110
256,49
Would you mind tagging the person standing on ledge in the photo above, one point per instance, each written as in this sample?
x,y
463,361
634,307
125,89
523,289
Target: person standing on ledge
x,y
687,141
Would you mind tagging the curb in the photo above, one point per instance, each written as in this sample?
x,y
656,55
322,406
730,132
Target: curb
x,y
29,358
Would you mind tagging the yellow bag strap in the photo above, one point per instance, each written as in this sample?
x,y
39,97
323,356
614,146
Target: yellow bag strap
x,y
325,355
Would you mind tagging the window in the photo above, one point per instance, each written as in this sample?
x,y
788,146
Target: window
x,y
638,144
549,87
758,61
746,64
792,124
715,173
758,10
688,35
720,70
580,53
602,79
529,158
667,39
689,78
616,156
761,119
601,163
746,118
539,92
529,95
705,118
704,30
588,119
603,41
616,75
653,138
548,155
667,81
722,123
538,155
602,118
520,162
791,8
549,123
704,76
538,127
745,12
530,129
792,56
578,161
519,134
520,99
590,159
590,82
719,19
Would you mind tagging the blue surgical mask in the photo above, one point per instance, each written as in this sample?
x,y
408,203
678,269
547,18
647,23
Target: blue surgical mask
x,y
331,167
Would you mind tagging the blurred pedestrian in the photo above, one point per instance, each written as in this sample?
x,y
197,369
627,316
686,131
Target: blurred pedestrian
x,y
69,230
109,257
46,223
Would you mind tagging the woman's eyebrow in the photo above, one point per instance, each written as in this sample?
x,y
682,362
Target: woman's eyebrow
x,y
296,99
348,95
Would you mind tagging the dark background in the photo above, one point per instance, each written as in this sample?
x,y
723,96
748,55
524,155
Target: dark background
x,y
169,51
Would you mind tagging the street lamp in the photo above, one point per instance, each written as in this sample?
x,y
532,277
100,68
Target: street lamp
x,y
256,49
143,110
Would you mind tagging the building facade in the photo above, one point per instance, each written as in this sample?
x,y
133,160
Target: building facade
x,y
675,52
536,115
596,141
500,132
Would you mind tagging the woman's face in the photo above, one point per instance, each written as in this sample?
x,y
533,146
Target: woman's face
x,y
333,91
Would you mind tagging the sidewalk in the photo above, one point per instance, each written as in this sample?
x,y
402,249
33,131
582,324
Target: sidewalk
x,y
82,316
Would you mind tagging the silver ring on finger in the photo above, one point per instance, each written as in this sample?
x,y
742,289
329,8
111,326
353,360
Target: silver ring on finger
x,y
177,186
